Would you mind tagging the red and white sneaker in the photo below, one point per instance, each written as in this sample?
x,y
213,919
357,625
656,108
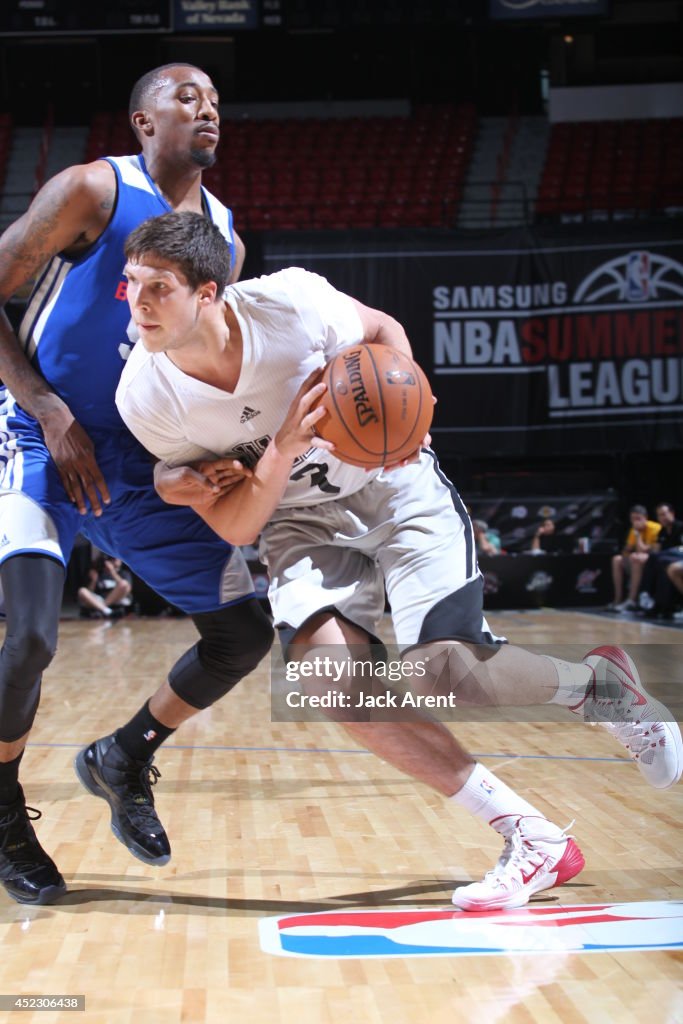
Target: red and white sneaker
x,y
618,701
536,856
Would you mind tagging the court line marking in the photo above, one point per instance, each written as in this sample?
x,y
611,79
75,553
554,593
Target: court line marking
x,y
332,750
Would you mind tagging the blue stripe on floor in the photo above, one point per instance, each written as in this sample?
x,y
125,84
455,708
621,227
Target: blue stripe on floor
x,y
344,750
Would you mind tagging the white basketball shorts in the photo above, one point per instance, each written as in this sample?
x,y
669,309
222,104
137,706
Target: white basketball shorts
x,y
406,530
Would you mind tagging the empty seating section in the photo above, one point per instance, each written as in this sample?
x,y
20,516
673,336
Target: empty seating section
x,y
110,135
5,142
382,172
332,173
613,166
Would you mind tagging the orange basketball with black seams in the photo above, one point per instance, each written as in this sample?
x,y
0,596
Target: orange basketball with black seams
x,y
379,406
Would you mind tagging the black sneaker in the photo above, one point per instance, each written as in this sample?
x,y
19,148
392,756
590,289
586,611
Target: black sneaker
x,y
26,871
106,770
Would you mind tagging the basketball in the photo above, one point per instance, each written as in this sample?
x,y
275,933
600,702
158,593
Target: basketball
x,y
379,406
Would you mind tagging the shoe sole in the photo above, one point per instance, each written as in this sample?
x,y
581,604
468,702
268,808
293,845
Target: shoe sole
x,y
50,894
86,779
618,657
570,864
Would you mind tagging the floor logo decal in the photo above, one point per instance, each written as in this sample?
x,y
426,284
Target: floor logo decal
x,y
593,928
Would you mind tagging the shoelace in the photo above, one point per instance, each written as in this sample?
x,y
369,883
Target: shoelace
x,y
23,840
508,850
140,782
637,737
517,853
612,710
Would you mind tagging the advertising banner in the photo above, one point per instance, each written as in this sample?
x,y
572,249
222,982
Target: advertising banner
x,y
215,15
533,343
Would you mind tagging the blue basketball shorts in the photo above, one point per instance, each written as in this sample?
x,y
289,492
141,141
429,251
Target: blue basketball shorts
x,y
170,547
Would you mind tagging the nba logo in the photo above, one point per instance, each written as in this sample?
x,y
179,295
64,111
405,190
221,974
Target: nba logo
x,y
638,276
558,928
400,377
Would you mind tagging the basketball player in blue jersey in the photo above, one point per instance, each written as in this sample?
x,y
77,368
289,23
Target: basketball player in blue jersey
x,y
68,464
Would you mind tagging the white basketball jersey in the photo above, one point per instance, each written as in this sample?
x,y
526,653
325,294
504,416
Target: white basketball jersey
x,y
292,323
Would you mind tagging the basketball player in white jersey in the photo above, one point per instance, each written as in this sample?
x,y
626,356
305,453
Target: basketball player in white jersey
x,y
228,374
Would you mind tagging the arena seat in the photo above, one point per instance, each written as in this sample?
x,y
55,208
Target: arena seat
x,y
331,173
613,166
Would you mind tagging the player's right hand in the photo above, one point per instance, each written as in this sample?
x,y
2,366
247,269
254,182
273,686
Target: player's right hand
x,y
74,455
200,484
223,473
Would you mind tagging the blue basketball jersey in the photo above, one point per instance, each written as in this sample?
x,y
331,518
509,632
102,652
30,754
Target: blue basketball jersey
x,y
76,327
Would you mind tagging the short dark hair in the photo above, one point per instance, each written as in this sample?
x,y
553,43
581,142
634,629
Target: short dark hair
x,y
189,240
151,80
639,510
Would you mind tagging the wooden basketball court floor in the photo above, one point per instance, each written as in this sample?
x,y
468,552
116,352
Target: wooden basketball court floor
x,y
271,820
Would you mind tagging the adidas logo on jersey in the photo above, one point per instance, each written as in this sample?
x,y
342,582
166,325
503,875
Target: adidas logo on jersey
x,y
248,414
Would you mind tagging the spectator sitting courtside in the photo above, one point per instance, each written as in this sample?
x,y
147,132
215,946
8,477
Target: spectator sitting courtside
x,y
487,541
675,573
641,540
659,591
546,529
107,594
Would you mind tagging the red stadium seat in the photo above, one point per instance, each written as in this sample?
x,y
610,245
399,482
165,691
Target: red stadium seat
x,y
338,171
613,165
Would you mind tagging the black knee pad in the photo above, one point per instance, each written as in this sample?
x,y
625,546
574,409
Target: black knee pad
x,y
233,642
32,587
26,654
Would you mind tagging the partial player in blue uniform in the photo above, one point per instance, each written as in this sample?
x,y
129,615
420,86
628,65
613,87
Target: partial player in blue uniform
x,y
67,464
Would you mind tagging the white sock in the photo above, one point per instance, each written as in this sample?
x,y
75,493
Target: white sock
x,y
488,798
573,683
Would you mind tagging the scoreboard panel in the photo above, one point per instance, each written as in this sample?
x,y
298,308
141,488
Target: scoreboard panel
x,y
76,17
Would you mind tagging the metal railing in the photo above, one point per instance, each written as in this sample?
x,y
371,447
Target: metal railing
x,y
495,203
